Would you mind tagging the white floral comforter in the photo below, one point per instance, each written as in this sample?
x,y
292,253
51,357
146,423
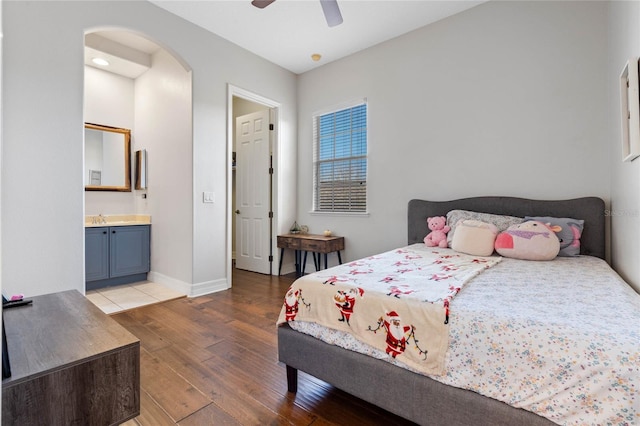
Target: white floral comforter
x,y
396,301
558,338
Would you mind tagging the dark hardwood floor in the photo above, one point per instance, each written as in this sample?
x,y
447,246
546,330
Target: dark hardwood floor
x,y
212,360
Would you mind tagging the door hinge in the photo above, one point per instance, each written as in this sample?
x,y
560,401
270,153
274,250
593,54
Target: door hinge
x,y
270,126
270,258
270,170
270,215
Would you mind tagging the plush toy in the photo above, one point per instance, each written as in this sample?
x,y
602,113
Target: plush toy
x,y
531,240
474,237
438,235
569,236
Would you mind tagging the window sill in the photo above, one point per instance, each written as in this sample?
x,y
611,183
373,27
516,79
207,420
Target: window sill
x,y
348,214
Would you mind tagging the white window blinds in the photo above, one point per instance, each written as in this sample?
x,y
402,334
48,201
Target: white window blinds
x,y
340,160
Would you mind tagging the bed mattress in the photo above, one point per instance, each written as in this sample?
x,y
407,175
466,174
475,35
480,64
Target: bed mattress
x,y
559,338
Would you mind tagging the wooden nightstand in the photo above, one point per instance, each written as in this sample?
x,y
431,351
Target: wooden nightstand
x,y
309,243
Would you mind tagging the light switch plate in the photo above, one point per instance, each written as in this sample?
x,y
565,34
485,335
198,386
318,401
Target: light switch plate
x,y
208,197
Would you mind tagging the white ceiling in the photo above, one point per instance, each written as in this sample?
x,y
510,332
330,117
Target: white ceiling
x,y
287,32
128,54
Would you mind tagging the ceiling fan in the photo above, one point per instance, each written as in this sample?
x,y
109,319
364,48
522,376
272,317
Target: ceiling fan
x,y
329,7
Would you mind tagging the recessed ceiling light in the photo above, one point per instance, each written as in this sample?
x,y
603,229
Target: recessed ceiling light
x,y
100,61
316,57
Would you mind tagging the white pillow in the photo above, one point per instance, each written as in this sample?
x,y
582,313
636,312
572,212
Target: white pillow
x,y
502,222
474,237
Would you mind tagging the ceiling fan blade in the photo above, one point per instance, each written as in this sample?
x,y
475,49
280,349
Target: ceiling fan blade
x,y
331,12
261,4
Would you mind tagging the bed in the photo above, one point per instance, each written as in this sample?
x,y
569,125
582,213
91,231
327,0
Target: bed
x,y
434,400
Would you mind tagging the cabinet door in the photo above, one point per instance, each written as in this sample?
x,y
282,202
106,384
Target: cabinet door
x,y
96,260
129,248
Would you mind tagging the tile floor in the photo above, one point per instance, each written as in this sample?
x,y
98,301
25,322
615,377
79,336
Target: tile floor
x,y
121,298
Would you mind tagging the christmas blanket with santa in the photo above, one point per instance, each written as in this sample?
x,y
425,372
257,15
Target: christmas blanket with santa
x,y
396,301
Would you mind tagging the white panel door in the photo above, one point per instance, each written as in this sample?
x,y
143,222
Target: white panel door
x,y
252,192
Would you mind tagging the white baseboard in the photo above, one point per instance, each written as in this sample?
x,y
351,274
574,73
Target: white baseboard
x,y
191,290
200,289
172,283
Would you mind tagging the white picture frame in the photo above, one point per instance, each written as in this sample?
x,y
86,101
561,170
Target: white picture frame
x,y
630,110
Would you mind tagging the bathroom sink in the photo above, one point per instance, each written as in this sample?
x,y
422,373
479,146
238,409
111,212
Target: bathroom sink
x,y
117,220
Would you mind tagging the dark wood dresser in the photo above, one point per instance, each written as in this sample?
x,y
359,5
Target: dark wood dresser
x,y
71,364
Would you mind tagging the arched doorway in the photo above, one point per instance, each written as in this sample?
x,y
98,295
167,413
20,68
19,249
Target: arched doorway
x,y
148,89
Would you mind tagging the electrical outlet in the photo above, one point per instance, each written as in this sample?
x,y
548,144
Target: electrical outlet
x,y
208,197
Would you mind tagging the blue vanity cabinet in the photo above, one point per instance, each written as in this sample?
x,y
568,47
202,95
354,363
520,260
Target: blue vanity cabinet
x,y
116,255
96,261
128,250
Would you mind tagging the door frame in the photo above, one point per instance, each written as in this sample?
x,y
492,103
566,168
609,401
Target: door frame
x,y
274,107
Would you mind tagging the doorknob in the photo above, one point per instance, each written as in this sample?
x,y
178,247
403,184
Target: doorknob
x,y
237,211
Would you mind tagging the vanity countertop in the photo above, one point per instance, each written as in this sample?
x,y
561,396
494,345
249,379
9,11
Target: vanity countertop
x,y
94,221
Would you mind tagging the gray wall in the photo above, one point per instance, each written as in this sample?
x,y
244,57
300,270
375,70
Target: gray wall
x,y
42,170
507,98
624,43
109,100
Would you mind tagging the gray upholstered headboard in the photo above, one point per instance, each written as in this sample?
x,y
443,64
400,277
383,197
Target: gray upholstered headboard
x,y
590,209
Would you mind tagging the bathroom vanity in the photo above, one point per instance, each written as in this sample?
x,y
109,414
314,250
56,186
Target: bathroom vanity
x,y
117,250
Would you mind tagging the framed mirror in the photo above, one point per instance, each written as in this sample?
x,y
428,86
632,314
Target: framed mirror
x,y
107,158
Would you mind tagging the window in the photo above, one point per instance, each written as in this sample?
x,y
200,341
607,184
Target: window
x,y
340,160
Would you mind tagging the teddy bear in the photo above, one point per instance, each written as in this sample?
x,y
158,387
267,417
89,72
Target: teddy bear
x,y
438,235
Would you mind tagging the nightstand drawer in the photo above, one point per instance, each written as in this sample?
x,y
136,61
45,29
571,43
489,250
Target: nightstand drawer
x,y
312,245
288,242
322,246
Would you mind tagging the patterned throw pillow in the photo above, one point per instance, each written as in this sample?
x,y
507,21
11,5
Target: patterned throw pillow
x,y
569,236
501,222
